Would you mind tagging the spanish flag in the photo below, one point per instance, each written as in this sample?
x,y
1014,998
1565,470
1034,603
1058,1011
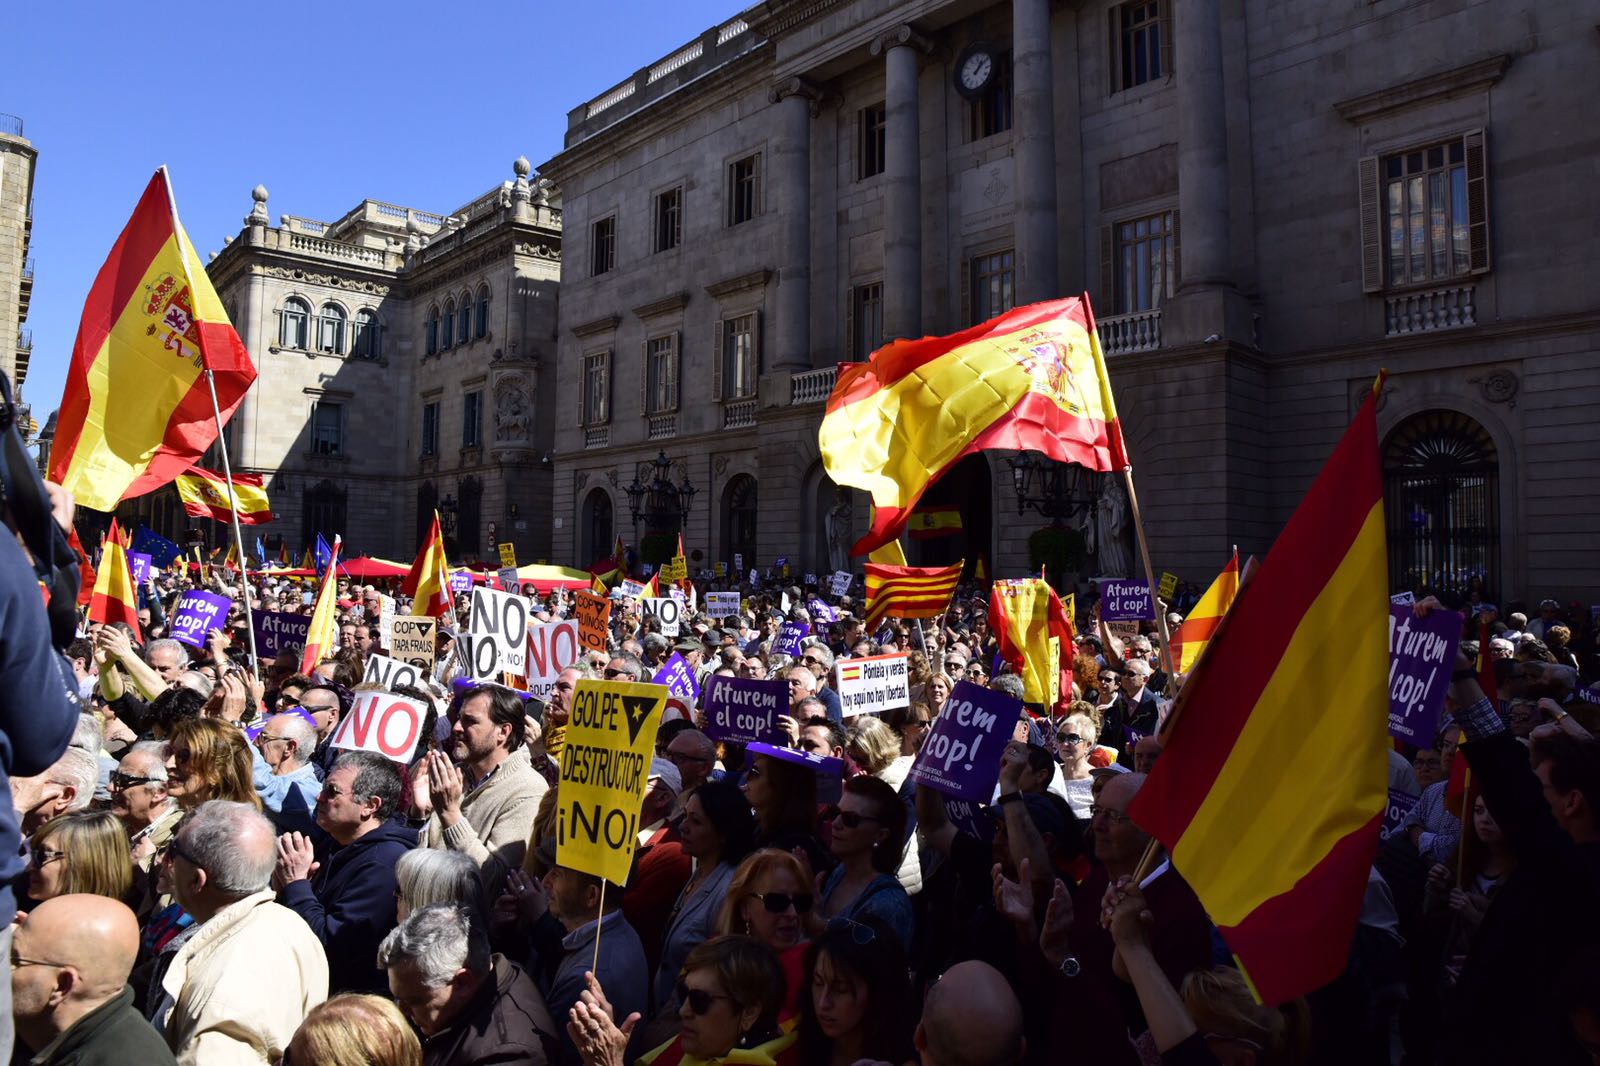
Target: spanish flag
x,y
1035,631
283,554
231,560
1275,832
428,583
137,411
205,495
324,616
1033,378
942,522
307,562
113,599
909,591
1190,638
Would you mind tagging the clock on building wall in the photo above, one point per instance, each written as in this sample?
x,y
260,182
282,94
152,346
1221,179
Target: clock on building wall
x,y
976,68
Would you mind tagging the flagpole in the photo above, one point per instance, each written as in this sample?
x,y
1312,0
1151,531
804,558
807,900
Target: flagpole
x,y
222,440
1149,575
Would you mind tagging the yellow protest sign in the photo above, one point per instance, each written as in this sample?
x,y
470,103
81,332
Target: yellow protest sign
x,y
605,763
677,569
1168,586
508,555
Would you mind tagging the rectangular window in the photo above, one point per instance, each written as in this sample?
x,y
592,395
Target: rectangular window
x,y
596,388
430,428
991,113
327,428
472,420
993,279
603,246
1141,44
661,375
870,125
866,313
1427,224
744,189
739,363
1146,263
669,219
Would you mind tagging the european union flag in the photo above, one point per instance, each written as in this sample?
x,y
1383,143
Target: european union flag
x,y
162,551
324,555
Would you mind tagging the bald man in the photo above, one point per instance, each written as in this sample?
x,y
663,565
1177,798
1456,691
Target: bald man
x,y
69,984
971,1018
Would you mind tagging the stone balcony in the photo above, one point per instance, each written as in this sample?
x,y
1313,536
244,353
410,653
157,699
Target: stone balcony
x,y
1136,332
1428,310
812,386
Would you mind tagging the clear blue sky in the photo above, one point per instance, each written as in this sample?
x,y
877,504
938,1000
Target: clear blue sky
x,y
325,104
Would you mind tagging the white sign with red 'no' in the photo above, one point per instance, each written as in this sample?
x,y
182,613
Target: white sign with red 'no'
x,y
384,723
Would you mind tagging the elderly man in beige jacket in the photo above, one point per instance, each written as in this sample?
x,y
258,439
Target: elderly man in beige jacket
x,y
249,969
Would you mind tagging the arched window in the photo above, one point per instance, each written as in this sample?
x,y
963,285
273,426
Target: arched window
x,y
739,519
1441,494
294,324
464,327
596,525
482,330
447,334
330,329
366,336
433,331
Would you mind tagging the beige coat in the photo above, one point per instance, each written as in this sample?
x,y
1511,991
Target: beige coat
x,y
496,819
242,985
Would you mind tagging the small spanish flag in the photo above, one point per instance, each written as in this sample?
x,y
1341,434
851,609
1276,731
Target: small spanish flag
x,y
205,495
1190,638
324,617
941,522
113,599
428,582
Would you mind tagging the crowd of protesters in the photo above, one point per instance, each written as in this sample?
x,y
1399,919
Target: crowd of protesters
x,y
210,881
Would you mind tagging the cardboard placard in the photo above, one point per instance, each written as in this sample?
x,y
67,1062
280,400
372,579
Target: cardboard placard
x,y
1422,654
139,567
390,674
384,723
790,634
961,754
605,766
841,582
738,561
1126,600
744,710
630,588
872,684
385,618
552,647
508,555
1168,586
460,581
496,642
198,613
412,639
594,620
1400,804
508,579
678,678
669,610
722,604
279,631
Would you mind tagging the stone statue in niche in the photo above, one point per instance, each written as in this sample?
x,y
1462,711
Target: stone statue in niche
x,y
513,417
840,534
1107,530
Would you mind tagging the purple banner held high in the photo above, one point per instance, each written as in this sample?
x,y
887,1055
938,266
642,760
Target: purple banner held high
x,y
961,755
679,679
744,710
1126,601
787,642
198,613
139,565
1422,653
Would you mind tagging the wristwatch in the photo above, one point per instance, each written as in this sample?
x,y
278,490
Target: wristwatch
x,y
1070,966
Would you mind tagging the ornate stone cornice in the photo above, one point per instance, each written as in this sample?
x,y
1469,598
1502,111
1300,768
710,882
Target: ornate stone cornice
x,y
1425,90
728,286
901,35
664,306
607,324
314,278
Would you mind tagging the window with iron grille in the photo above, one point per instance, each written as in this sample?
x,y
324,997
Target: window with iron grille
x,y
1141,43
669,219
991,113
596,388
661,375
871,122
603,246
744,189
472,420
993,285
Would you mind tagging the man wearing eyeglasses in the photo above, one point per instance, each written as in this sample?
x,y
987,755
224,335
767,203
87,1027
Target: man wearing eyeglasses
x,y
139,799
285,777
817,658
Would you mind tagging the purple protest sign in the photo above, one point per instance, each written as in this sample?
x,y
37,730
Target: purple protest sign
x,y
821,611
1422,653
278,631
1400,804
787,642
461,581
679,679
1589,695
1126,601
968,816
961,755
198,613
139,564
742,709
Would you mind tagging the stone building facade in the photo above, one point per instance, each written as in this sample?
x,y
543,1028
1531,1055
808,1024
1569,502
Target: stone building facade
x,y
17,157
1267,205
404,363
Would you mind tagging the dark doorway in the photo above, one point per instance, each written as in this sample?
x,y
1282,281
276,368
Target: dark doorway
x,y
1441,502
968,489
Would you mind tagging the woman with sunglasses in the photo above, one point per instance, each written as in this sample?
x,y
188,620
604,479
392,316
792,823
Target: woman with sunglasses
x,y
82,851
857,1005
868,838
729,992
209,759
768,899
1075,738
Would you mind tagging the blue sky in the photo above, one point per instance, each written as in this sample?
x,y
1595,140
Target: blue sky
x,y
325,104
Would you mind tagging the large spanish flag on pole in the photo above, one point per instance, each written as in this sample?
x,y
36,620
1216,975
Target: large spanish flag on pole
x,y
1191,637
1034,631
324,616
113,599
1272,788
428,583
205,495
136,411
1032,379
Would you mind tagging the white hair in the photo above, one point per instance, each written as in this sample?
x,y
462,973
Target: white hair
x,y
89,735
295,728
233,843
439,940
167,644
425,876
157,752
79,769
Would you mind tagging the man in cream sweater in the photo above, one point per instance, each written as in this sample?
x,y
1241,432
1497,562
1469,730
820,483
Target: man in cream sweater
x,y
481,798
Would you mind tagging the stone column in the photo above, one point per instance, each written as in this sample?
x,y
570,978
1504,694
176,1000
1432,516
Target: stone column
x,y
1033,96
791,184
1202,146
902,49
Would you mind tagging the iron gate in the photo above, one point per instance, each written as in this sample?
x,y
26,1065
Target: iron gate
x,y
1441,494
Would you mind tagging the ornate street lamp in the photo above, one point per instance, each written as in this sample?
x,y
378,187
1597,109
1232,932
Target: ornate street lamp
x,y
1053,489
655,500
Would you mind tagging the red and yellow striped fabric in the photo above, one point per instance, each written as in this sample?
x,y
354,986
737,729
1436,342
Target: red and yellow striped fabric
x,y
941,522
428,583
1033,378
113,599
136,411
1272,788
1026,615
324,616
205,495
909,591
1190,638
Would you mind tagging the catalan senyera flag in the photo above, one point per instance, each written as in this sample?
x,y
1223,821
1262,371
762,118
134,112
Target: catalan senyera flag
x,y
1275,836
938,522
136,411
1034,378
324,617
1190,638
113,599
205,495
1025,615
909,591
428,583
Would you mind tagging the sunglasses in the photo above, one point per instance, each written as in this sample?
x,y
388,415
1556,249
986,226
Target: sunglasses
x,y
850,819
698,1000
1070,738
125,781
613,674
862,935
779,902
181,755
42,857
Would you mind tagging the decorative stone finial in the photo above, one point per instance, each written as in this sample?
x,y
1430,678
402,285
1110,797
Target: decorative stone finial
x,y
259,194
521,167
258,211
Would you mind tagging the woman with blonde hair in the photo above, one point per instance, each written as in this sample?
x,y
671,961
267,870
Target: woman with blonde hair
x,y
207,759
80,852
1075,738
352,1030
